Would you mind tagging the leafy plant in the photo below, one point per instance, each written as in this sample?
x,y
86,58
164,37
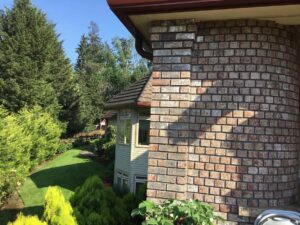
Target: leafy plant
x,y
57,210
175,212
27,220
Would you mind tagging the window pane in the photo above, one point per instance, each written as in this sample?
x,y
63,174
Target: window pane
x,y
144,127
138,185
125,185
119,182
125,131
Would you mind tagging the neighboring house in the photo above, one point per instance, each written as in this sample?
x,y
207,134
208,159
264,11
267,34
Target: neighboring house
x,y
225,101
133,124
110,118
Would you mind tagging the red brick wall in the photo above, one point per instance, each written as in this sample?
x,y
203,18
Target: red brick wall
x,y
224,119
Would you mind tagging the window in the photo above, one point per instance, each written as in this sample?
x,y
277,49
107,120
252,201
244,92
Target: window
x,y
139,182
144,128
125,130
122,181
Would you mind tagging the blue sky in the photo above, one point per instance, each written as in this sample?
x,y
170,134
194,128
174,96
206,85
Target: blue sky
x,y
72,18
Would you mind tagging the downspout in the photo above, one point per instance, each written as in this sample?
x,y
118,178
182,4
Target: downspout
x,y
139,45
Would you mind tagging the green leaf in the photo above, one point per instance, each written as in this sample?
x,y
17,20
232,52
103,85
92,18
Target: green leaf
x,y
152,222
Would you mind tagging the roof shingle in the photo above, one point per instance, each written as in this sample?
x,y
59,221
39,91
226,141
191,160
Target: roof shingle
x,y
138,94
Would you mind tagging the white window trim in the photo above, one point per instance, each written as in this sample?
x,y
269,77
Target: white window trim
x,y
139,180
137,132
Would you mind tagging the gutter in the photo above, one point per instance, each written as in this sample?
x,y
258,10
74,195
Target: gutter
x,y
139,45
123,9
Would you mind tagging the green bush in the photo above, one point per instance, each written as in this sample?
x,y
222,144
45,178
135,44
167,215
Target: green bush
x,y
27,220
64,145
78,143
15,146
105,147
177,212
57,210
95,204
44,132
109,172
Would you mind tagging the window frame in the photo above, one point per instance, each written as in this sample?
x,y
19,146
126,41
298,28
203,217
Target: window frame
x,y
123,177
137,132
122,119
142,179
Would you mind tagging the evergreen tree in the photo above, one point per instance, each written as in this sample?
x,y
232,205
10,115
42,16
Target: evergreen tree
x,y
89,69
33,67
103,71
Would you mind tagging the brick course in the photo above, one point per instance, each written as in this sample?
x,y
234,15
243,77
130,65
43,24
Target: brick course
x,y
224,118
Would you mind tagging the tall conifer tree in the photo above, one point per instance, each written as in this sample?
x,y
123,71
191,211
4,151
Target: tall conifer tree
x,y
89,69
33,67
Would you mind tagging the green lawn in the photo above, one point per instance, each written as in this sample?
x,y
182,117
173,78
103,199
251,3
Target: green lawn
x,y
67,171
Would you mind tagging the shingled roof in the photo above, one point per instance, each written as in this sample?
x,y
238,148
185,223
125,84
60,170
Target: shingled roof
x,y
138,94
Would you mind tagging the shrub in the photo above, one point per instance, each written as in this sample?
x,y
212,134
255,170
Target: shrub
x,y
27,220
64,145
175,212
15,146
106,147
44,132
78,143
109,172
95,204
57,210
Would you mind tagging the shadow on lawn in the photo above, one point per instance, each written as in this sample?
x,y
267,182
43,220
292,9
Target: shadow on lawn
x,y
68,177
10,215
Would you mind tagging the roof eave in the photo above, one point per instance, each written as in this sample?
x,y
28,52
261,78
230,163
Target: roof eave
x,y
110,106
125,8
135,7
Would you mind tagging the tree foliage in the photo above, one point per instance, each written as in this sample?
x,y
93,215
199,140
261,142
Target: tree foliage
x,y
58,211
103,70
15,148
44,132
26,139
95,204
33,66
27,220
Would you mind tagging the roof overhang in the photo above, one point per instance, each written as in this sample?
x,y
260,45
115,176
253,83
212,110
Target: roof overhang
x,y
137,15
123,105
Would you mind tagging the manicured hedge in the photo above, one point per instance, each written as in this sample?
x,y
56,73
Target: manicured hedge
x,y
26,139
44,132
15,147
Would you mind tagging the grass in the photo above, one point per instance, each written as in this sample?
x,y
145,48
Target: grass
x,y
67,171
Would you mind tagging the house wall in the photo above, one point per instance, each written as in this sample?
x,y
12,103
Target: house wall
x,y
132,159
224,117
